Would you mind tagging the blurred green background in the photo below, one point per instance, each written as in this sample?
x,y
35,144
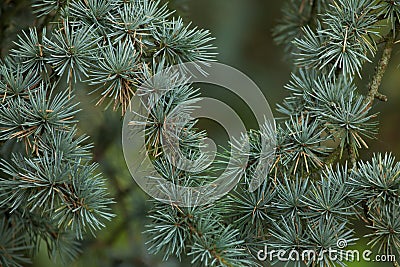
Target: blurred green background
x,y
243,36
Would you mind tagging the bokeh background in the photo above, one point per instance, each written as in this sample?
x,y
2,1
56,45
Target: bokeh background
x,y
243,36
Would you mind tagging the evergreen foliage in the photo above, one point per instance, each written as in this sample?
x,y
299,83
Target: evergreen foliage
x,y
311,196
51,191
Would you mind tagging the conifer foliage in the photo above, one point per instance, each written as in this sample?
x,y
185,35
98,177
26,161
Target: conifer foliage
x,y
50,190
317,187
52,193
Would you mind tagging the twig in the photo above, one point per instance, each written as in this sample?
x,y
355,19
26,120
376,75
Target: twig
x,y
352,156
379,73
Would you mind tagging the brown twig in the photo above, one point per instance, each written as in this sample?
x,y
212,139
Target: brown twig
x,y
352,156
381,68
